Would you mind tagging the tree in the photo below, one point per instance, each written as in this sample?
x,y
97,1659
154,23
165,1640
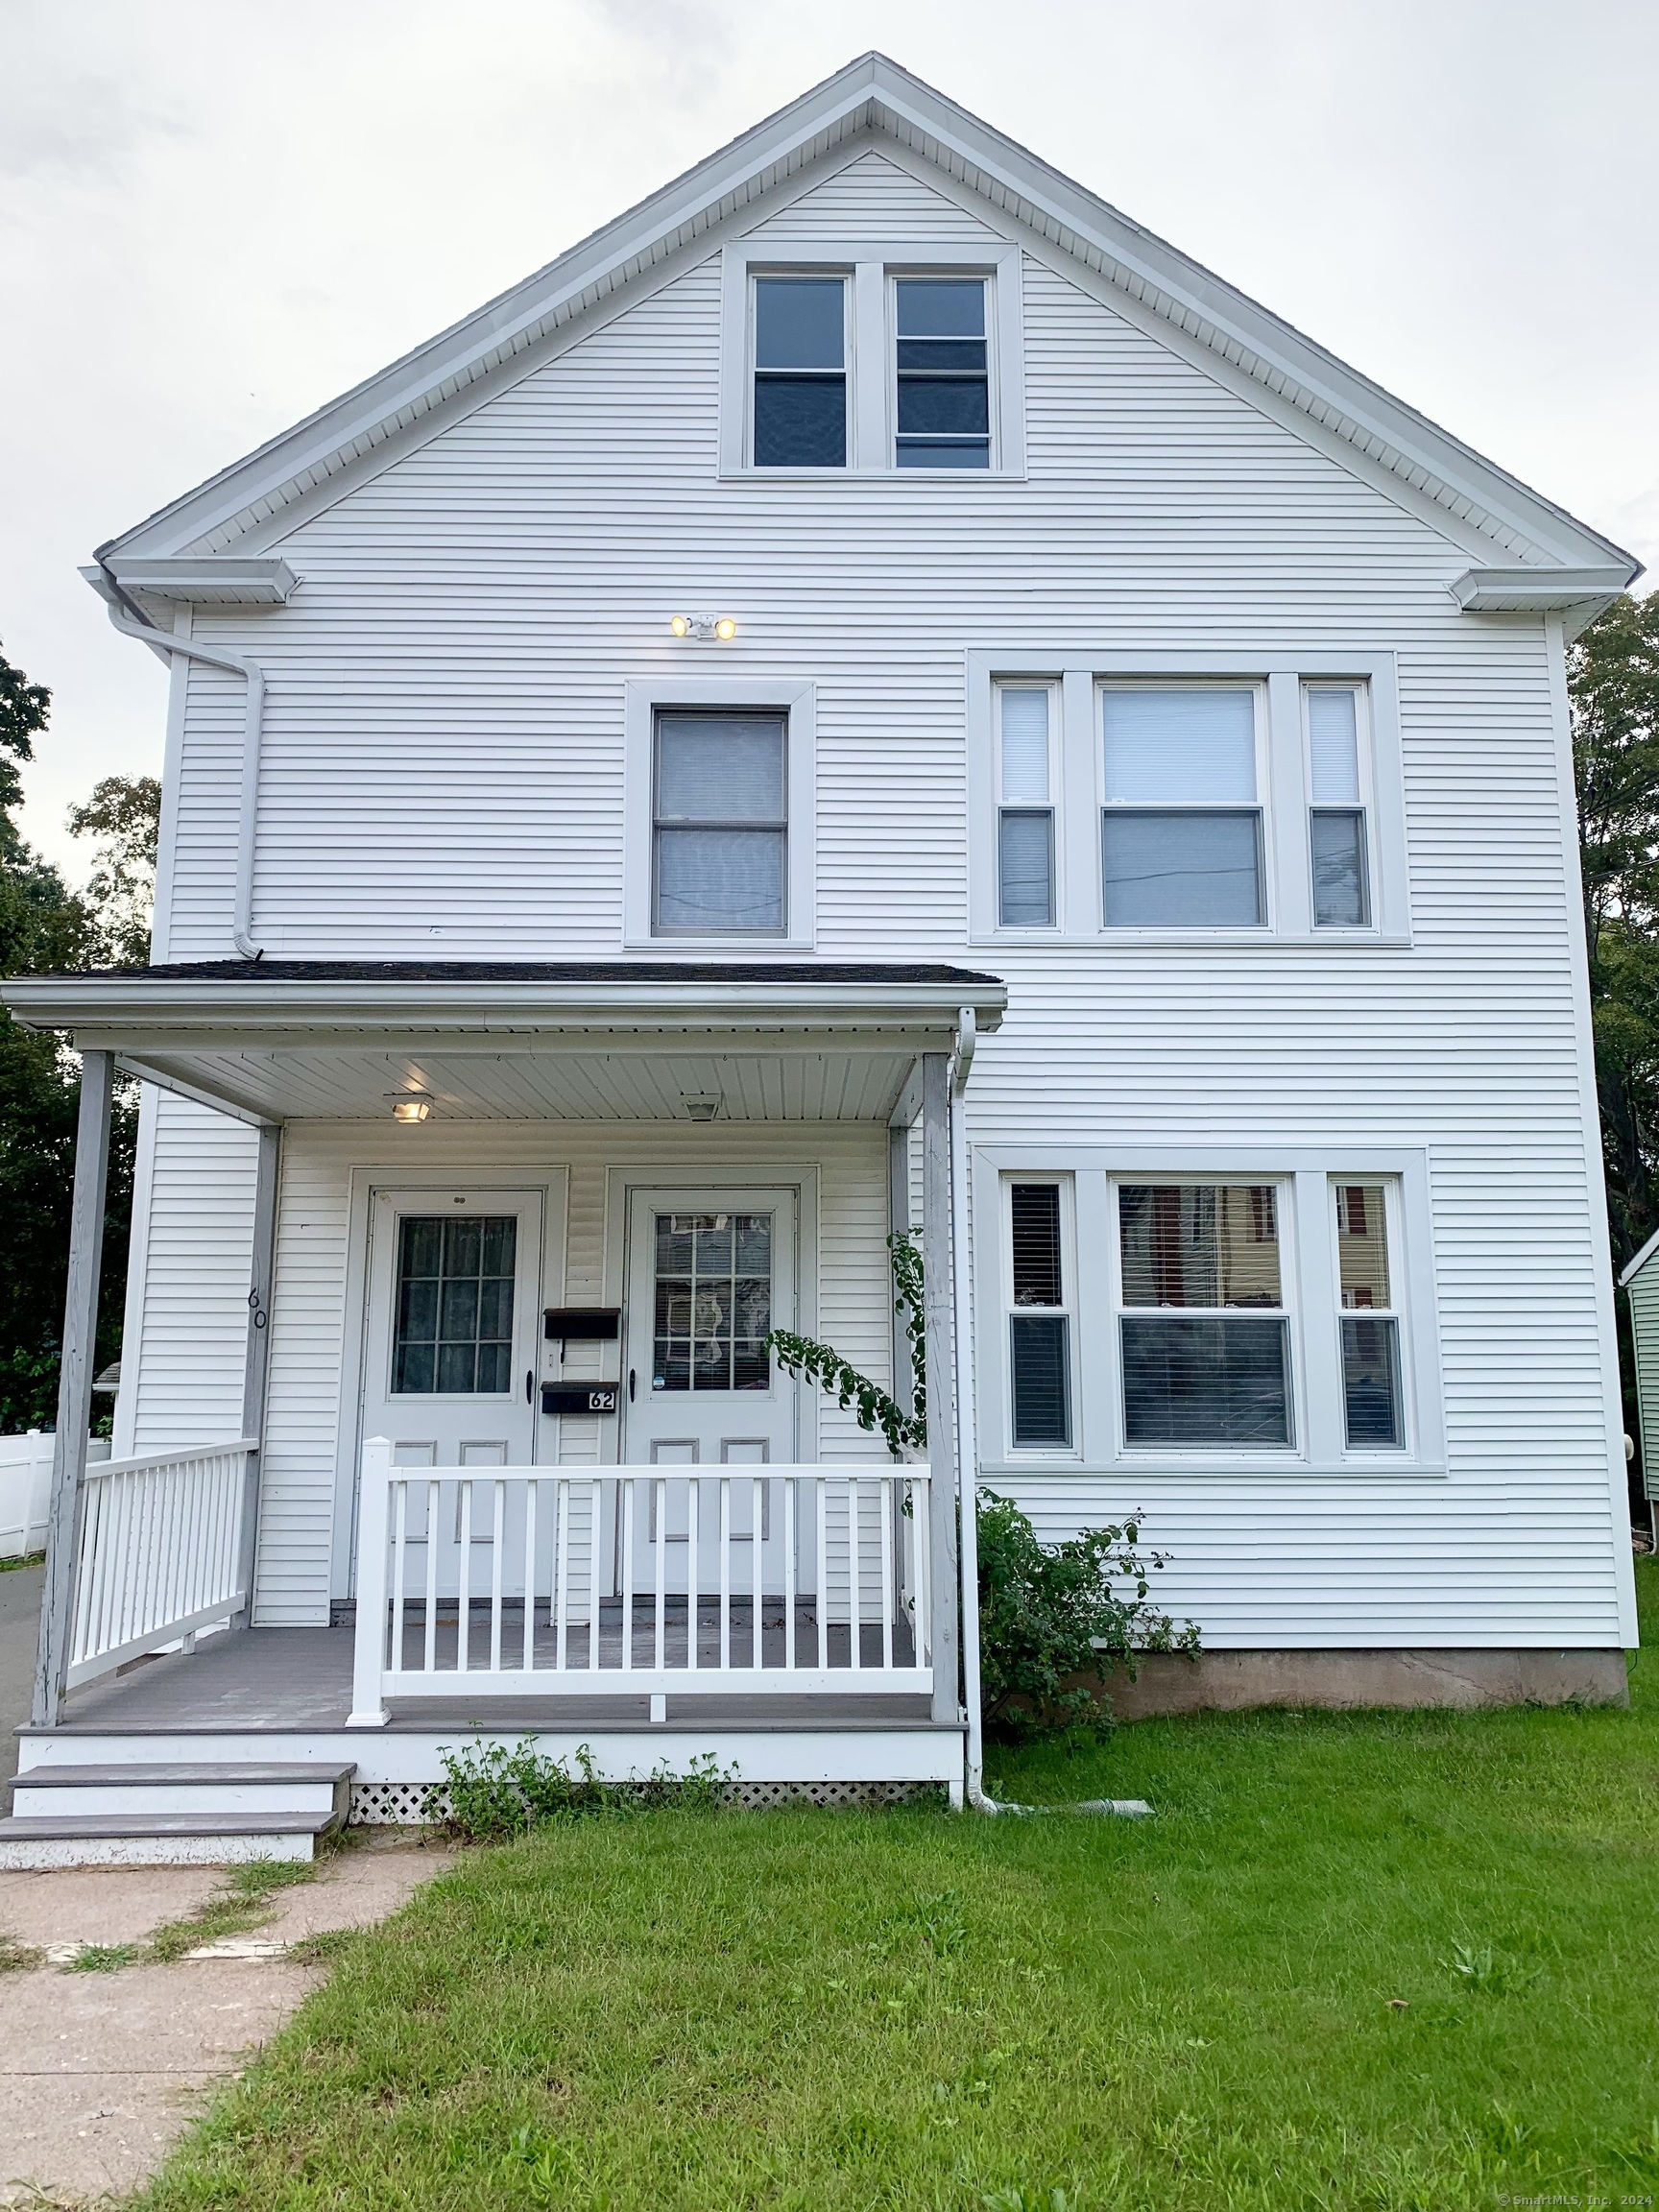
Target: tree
x,y
1613,677
43,924
125,813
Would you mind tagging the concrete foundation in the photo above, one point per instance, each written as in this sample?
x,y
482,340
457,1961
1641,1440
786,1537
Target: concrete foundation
x,y
1232,1681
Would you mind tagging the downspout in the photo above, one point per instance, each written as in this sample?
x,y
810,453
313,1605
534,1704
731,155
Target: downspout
x,y
134,623
967,1435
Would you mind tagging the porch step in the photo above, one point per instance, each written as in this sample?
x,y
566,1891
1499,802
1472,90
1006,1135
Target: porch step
x,y
121,1815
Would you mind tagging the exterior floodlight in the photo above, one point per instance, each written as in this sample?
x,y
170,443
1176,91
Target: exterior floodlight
x,y
680,625
723,627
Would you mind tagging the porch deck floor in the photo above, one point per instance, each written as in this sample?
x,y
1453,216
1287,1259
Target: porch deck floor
x,y
282,1680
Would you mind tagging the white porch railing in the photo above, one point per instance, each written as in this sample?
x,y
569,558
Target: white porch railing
x,y
160,1553
724,1581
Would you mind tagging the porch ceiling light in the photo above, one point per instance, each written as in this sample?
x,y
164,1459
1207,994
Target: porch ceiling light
x,y
409,1105
701,1109
722,627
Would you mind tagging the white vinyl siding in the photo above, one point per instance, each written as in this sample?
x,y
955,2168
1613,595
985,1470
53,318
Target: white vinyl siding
x,y
447,731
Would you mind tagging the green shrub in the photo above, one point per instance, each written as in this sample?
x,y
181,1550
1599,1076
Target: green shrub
x,y
1051,1612
490,1792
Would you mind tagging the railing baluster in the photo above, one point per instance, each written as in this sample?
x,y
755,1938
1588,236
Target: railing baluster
x,y
593,1574
822,1487
756,1522
885,1496
789,1483
725,1481
921,1551
561,1570
464,1583
498,1540
530,1490
627,1482
855,1574
661,1494
429,1658
400,1547
694,1570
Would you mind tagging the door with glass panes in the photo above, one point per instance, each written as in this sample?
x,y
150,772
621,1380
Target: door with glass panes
x,y
450,1346
710,1273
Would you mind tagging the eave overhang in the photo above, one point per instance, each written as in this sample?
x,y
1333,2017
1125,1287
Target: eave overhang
x,y
200,579
274,1041
1577,595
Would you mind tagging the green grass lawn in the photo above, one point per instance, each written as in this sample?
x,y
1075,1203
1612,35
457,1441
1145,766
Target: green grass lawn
x,y
1380,1961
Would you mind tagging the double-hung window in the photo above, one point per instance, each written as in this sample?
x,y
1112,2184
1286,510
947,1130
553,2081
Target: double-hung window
x,y
1025,809
799,411
1336,812
1373,1412
1181,827
719,833
1203,1335
944,373
1040,1324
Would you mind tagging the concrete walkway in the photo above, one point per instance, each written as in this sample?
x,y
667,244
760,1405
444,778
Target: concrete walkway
x,y
100,2072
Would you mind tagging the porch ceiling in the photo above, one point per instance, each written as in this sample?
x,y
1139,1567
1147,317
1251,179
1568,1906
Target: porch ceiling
x,y
276,1041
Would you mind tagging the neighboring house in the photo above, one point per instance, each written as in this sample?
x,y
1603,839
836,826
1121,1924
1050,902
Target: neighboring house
x,y
871,690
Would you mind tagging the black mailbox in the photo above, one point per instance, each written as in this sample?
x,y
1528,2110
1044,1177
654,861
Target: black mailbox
x,y
583,1324
579,1397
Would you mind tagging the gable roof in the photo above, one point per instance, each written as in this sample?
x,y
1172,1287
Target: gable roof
x,y
873,101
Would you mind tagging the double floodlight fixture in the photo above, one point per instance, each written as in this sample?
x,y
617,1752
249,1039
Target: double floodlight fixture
x,y
721,628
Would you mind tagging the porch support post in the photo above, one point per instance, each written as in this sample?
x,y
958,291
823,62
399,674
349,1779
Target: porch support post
x,y
258,1358
898,1219
67,1503
369,1648
937,1261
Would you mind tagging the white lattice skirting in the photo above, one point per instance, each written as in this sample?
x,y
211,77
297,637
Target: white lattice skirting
x,y
404,1804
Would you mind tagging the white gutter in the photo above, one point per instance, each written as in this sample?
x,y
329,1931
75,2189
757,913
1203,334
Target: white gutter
x,y
252,727
967,1435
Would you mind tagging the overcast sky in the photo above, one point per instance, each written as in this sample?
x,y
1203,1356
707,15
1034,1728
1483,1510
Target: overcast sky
x,y
214,215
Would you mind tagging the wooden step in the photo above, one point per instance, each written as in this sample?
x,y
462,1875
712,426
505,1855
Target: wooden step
x,y
161,1838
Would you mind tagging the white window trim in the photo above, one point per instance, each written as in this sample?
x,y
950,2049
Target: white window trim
x,y
1284,796
870,397
643,699
1038,1454
1261,806
1307,1260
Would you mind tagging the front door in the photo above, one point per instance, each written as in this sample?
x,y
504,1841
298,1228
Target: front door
x,y
710,1273
454,1311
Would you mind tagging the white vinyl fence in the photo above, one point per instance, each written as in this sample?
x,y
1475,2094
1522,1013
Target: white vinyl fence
x,y
26,1488
714,1581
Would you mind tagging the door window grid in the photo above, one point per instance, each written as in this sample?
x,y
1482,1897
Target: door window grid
x,y
1040,1322
943,374
719,832
1025,719
712,1301
799,382
1203,1329
454,1322
1373,1403
1336,817
1181,834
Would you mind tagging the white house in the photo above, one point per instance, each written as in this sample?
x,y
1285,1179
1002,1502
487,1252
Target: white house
x,y
870,690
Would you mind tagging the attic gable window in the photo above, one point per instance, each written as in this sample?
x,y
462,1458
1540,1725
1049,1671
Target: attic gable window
x,y
800,372
944,373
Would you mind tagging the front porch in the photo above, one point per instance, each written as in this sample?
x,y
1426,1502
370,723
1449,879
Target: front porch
x,y
593,1574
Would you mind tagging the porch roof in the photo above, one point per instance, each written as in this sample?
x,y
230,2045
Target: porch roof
x,y
279,1039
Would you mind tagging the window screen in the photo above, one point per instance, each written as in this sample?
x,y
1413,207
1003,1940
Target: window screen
x,y
1204,1342
720,831
1181,831
1039,1327
455,1332
943,394
800,372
